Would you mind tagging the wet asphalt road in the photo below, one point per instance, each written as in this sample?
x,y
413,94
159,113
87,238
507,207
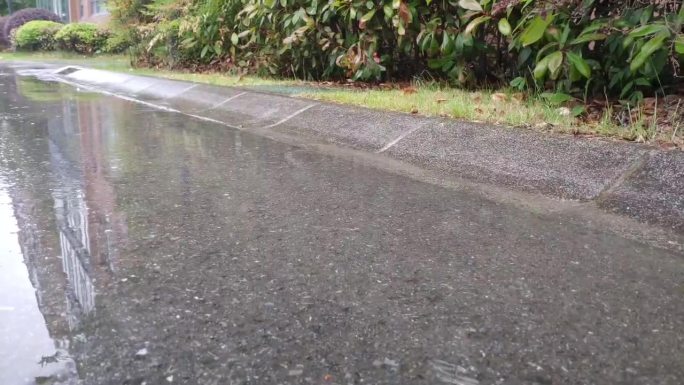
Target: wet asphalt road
x,y
165,250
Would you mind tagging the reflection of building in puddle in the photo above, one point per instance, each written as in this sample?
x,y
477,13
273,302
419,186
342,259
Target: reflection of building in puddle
x,y
72,221
71,215
81,299
33,342
89,225
69,228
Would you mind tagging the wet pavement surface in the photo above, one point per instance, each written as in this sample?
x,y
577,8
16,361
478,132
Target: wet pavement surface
x,y
145,247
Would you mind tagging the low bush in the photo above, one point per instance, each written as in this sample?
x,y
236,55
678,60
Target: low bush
x,y
84,38
119,41
19,18
37,35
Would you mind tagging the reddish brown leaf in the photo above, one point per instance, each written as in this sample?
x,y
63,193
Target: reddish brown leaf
x,y
518,96
404,13
409,90
499,97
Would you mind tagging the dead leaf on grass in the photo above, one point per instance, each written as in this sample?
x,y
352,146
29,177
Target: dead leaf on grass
x,y
441,100
409,90
518,97
500,97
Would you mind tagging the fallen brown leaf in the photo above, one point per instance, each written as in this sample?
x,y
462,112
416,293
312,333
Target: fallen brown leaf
x,y
666,145
499,97
409,90
518,96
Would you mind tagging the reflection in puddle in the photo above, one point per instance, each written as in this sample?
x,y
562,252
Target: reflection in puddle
x,y
72,222
163,248
29,354
56,225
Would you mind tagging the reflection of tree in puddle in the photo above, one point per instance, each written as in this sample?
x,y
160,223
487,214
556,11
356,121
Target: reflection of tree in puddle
x,y
40,91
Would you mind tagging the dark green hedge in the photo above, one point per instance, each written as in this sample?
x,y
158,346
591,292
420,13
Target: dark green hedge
x,y
580,47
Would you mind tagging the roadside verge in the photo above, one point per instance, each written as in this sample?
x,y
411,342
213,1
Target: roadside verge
x,y
625,178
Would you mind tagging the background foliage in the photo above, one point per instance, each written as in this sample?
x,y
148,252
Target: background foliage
x,y
32,29
9,6
19,18
37,35
560,48
84,38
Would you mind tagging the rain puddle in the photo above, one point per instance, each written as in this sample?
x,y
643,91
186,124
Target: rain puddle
x,y
29,354
142,246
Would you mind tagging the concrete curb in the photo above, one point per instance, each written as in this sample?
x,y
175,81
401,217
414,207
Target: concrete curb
x,y
624,178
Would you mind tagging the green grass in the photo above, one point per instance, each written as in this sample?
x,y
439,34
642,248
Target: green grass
x,y
480,106
504,107
108,62
218,79
122,63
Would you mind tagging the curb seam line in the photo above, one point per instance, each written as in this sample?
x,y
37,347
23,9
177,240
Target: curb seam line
x,y
634,167
285,119
224,102
399,138
179,93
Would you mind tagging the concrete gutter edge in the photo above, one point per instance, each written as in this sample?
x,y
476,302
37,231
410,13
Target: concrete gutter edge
x,y
624,178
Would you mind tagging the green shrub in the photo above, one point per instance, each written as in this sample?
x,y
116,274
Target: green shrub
x,y
119,41
23,16
84,38
562,48
37,35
